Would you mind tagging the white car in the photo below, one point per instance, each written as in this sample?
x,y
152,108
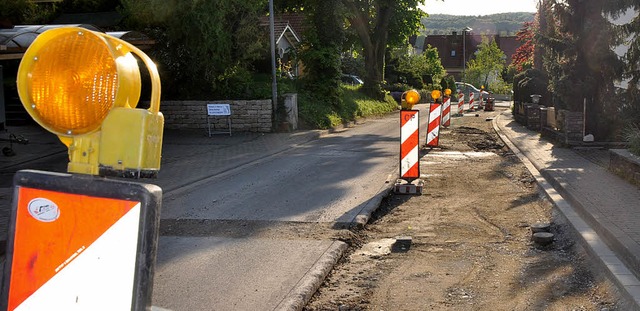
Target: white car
x,y
468,88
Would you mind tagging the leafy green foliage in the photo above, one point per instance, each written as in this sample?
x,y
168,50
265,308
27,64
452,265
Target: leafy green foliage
x,y
353,64
377,24
579,58
530,82
632,136
487,65
321,52
315,113
17,12
449,83
413,69
204,48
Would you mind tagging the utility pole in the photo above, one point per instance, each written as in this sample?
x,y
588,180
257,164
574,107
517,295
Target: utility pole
x,y
274,83
464,51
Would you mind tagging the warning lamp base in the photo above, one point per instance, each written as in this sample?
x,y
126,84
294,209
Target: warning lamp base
x,y
405,187
108,171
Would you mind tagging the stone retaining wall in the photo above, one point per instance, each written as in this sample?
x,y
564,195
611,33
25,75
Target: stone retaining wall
x,y
246,115
625,164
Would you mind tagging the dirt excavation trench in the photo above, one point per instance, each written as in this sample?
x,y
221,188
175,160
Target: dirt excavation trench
x,y
471,245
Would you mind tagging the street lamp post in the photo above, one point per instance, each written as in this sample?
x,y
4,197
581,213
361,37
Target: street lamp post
x,y
464,51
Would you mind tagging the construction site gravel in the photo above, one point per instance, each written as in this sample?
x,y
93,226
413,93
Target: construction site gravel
x,y
470,240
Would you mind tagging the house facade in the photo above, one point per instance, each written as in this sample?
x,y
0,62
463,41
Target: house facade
x,y
456,48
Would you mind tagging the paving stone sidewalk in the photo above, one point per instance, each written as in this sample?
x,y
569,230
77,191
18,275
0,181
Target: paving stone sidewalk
x,y
609,204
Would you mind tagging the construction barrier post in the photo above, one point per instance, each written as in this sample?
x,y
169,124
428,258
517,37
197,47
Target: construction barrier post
x,y
446,112
409,182
460,103
433,129
471,102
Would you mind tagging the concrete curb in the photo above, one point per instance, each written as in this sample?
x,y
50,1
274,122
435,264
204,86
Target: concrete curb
x,y
600,254
299,296
364,214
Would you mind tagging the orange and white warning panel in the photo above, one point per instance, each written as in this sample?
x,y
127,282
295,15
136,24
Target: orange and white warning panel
x,y
433,127
75,251
446,112
409,136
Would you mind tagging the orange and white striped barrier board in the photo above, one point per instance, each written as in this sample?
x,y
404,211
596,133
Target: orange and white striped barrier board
x,y
460,103
471,103
433,129
409,136
446,112
74,245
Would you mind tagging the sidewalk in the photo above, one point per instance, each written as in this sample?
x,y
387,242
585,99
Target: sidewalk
x,y
607,204
188,156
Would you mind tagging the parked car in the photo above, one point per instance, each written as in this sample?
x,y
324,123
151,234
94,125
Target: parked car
x,y
351,79
468,88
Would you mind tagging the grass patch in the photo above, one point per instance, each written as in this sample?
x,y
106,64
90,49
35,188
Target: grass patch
x,y
318,113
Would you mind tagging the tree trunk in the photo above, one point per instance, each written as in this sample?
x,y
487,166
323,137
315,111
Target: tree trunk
x,y
374,41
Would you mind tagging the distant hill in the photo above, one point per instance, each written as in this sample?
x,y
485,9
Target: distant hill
x,y
503,24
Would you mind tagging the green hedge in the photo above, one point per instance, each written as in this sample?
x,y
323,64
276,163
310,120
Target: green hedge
x,y
315,112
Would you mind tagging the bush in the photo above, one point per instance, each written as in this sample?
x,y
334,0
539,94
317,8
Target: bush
x,y
632,136
397,87
316,112
529,82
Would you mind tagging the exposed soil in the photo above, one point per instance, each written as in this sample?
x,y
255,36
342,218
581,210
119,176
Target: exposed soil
x,y
471,246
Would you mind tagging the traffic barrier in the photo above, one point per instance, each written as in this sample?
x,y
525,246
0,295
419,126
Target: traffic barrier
x,y
446,112
74,238
460,103
471,103
409,137
433,130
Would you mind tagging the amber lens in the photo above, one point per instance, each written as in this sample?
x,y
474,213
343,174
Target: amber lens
x,y
435,94
72,83
412,97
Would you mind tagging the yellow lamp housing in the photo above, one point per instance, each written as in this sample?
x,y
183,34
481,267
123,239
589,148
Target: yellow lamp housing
x,y
83,86
411,98
447,92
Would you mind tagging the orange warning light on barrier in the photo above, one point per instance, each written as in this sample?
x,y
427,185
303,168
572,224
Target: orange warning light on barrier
x,y
435,94
411,98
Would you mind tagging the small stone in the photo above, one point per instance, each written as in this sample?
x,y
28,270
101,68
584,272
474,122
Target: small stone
x,y
401,245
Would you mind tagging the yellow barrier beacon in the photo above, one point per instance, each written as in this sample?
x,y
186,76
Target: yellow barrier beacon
x,y
84,86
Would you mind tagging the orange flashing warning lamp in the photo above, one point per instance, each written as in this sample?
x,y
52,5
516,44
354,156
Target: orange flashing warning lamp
x,y
435,94
411,98
447,92
83,86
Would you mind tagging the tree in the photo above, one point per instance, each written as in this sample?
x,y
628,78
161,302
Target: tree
x,y
204,48
488,63
16,12
414,69
522,59
377,24
580,61
629,31
321,51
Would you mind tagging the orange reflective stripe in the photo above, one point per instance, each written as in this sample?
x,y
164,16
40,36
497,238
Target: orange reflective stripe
x,y
46,240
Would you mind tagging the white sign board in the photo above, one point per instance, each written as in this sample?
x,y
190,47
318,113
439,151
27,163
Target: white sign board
x,y
218,109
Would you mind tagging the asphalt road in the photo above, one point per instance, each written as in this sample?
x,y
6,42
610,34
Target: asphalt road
x,y
219,249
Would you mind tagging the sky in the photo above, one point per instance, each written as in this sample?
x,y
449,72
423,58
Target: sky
x,y
478,7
